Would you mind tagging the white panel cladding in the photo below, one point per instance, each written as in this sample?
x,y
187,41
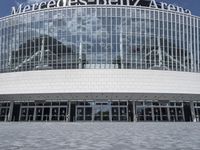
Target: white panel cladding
x,y
100,81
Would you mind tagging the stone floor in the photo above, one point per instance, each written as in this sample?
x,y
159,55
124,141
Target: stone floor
x,y
99,136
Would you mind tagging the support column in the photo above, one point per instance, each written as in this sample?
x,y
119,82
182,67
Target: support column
x,y
10,111
20,112
42,117
134,112
59,113
110,110
192,111
168,112
69,112
152,112
93,112
34,114
183,113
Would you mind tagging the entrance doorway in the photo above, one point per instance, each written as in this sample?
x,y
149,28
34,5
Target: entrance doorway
x,y
45,111
102,111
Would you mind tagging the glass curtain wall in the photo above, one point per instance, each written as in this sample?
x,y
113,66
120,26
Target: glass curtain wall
x,y
101,37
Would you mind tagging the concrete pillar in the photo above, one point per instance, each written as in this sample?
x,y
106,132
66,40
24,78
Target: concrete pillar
x,y
168,112
69,111
152,112
134,112
192,111
34,114
110,110
10,111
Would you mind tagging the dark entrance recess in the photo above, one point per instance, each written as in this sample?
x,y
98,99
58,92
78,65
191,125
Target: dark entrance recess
x,y
16,110
187,111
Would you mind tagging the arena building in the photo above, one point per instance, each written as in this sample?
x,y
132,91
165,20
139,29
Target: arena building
x,y
100,60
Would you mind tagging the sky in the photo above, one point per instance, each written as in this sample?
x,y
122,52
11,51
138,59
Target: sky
x,y
193,5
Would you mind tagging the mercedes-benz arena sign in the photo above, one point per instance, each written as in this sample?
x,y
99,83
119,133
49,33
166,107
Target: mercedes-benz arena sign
x,y
64,3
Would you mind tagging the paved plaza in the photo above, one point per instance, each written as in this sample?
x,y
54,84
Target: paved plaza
x,y
99,136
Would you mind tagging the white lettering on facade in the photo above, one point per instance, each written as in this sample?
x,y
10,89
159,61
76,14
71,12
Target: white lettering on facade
x,y
27,8
153,4
136,3
163,5
42,5
15,11
188,11
112,2
51,3
34,6
171,7
82,2
64,3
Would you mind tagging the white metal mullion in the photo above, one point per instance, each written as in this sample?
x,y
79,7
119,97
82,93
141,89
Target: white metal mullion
x,y
3,46
168,65
187,40
190,46
0,44
198,59
172,42
34,34
163,38
176,42
159,39
22,39
140,39
1,49
111,35
106,43
179,42
15,48
4,43
183,21
8,45
194,43
127,34
131,32
154,35
145,38
136,35
149,34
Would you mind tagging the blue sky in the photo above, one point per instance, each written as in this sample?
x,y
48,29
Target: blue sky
x,y
193,5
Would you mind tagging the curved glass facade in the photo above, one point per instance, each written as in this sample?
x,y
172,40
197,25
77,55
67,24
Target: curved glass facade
x,y
100,37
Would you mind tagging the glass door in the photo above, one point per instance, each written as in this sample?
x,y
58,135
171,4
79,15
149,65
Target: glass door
x,y
102,111
97,112
105,110
88,113
164,113
80,113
